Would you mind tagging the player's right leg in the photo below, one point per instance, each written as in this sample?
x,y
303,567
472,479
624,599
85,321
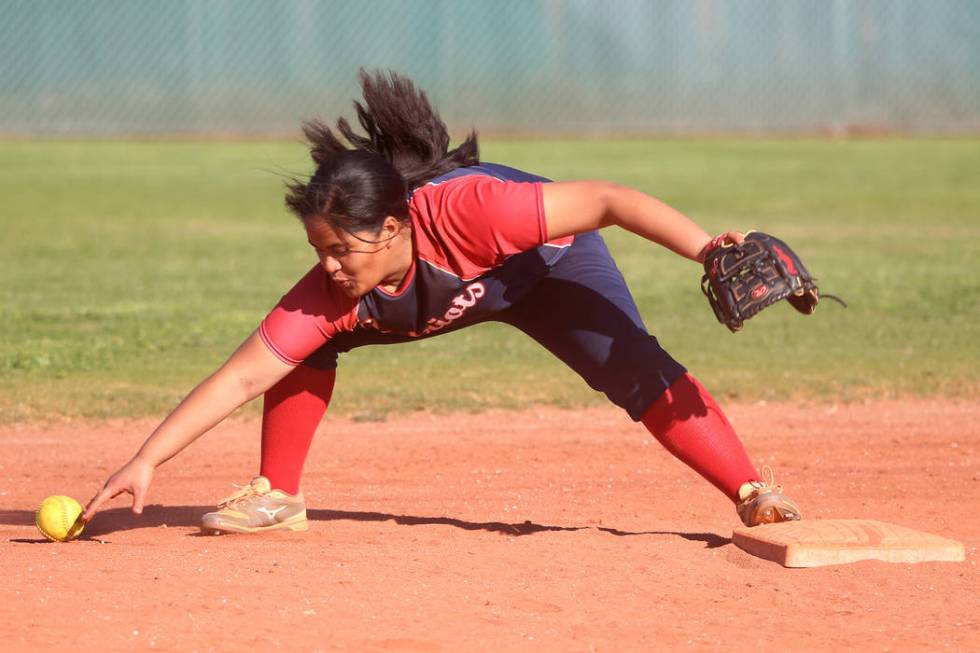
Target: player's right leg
x,y
256,508
292,409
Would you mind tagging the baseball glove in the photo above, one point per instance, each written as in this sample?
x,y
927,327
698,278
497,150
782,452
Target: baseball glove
x,y
741,280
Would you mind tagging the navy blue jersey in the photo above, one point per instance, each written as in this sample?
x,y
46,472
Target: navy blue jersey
x,y
480,243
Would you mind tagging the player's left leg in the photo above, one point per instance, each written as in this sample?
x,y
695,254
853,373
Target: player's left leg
x,y
584,313
690,424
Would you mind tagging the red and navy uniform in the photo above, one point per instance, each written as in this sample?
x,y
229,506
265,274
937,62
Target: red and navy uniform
x,y
482,253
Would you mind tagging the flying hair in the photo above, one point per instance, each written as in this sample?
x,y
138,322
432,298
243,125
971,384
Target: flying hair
x,y
399,124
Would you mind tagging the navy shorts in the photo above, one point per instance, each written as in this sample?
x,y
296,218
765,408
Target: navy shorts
x,y
583,313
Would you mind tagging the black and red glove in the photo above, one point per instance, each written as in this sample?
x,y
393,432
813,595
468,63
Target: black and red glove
x,y
741,280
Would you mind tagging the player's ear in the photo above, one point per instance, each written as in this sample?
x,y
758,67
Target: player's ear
x,y
390,228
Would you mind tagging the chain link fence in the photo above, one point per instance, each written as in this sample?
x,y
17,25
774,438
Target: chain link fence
x,y
565,67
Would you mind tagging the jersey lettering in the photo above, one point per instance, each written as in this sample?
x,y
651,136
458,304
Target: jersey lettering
x,y
460,303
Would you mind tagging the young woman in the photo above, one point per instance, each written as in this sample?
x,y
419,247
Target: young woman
x,y
415,240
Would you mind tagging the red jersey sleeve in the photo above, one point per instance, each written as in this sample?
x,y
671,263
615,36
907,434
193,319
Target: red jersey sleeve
x,y
306,317
484,219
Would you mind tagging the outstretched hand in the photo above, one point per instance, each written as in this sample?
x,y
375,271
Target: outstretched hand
x,y
132,478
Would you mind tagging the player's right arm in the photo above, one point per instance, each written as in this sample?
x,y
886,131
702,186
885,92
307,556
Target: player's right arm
x,y
305,318
249,372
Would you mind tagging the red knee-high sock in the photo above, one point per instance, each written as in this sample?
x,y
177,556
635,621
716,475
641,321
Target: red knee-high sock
x,y
291,411
688,422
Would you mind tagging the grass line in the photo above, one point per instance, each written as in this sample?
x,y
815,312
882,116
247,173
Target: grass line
x,y
130,270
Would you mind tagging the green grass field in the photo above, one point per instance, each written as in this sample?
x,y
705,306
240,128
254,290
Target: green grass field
x,y
131,270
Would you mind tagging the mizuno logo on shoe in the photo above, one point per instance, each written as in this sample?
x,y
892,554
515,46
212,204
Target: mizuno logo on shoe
x,y
271,514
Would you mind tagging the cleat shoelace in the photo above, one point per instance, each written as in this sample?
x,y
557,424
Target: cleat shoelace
x,y
244,493
767,484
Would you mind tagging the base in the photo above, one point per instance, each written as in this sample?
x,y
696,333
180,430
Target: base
x,y
819,542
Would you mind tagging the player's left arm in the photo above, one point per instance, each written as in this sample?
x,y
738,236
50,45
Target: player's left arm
x,y
579,206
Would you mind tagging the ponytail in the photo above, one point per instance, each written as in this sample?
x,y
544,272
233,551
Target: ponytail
x,y
406,145
401,126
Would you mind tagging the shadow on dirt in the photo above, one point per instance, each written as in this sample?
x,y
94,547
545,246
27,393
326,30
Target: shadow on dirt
x,y
119,519
155,516
711,540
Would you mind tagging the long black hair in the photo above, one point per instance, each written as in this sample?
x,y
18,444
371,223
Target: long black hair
x,y
405,145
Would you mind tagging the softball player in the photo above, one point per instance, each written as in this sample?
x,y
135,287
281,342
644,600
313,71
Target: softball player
x,y
414,241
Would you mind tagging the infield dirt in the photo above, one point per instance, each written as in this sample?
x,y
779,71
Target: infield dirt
x,y
537,530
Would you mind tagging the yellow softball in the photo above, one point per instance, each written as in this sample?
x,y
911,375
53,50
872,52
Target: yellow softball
x,y
57,518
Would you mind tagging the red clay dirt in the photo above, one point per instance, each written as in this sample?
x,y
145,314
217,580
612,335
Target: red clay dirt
x,y
541,530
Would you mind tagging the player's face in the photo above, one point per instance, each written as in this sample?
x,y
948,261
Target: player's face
x,y
357,262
